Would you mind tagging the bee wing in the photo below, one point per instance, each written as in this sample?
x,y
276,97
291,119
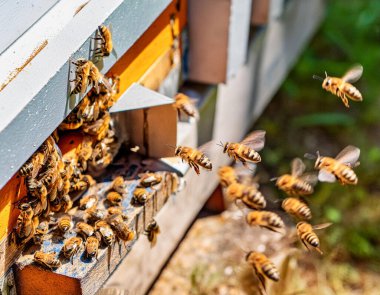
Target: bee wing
x,y
324,176
311,178
349,155
261,279
298,167
106,83
322,226
255,140
353,74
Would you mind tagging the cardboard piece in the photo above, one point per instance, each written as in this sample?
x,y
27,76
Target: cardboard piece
x,y
218,38
149,119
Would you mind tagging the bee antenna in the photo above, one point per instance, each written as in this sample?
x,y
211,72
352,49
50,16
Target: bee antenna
x,y
317,78
273,179
318,155
220,144
326,74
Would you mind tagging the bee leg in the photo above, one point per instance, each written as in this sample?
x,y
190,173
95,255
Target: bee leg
x,y
262,280
318,250
345,100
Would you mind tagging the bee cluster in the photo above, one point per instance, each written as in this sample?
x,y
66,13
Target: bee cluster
x,y
57,205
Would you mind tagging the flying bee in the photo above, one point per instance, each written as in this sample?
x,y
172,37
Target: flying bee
x,y
41,230
88,202
94,214
118,185
305,232
267,219
150,179
114,198
33,165
264,268
85,229
194,158
341,87
185,104
249,195
338,168
106,232
247,150
152,231
65,223
71,247
121,228
140,196
106,46
297,183
48,260
92,247
227,176
297,207
116,210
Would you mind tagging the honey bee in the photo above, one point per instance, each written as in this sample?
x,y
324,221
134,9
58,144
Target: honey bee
x,y
264,268
33,165
118,185
82,74
99,128
65,223
67,203
341,87
297,183
227,176
88,202
37,190
106,232
249,195
117,211
85,152
106,37
247,150
184,104
71,247
26,224
94,214
267,219
92,247
48,260
71,122
305,232
121,228
140,196
152,231
85,229
194,158
338,168
114,198
150,179
41,230
297,207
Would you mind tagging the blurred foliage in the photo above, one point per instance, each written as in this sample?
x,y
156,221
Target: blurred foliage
x,y
305,118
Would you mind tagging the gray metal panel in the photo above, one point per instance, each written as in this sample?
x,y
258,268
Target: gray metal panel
x,y
23,132
19,15
138,97
240,19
